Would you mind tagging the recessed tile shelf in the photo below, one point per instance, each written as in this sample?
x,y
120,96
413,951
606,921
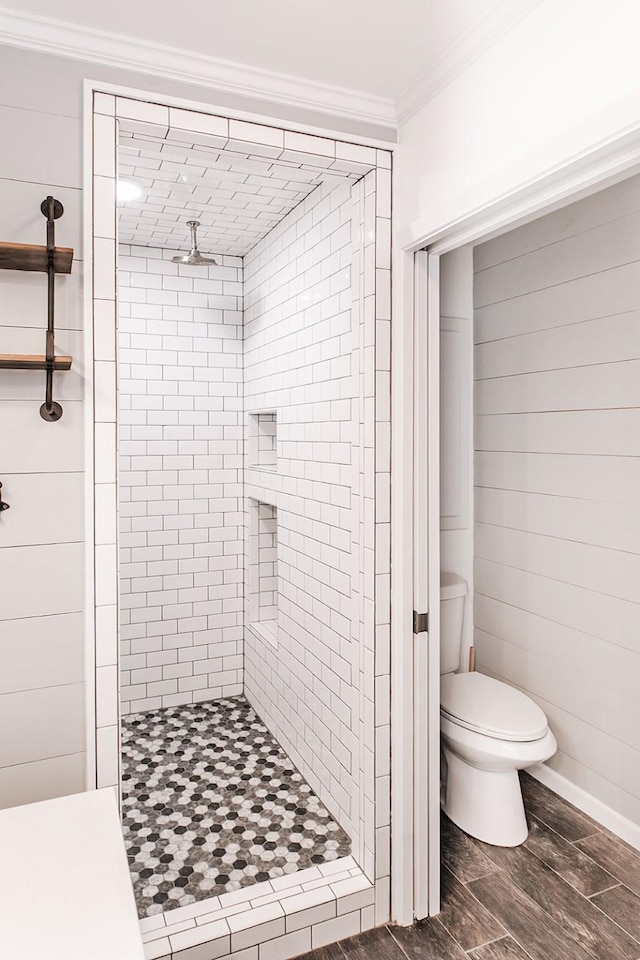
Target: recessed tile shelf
x,y
263,429
263,570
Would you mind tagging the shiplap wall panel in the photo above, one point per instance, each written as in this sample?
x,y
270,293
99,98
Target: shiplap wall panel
x,y
557,480
604,340
602,207
610,433
45,568
44,451
571,687
38,501
585,702
572,388
556,641
612,525
573,606
611,572
614,479
592,251
587,298
44,723
42,591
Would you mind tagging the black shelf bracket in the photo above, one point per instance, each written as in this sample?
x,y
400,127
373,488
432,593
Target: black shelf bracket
x,y
52,209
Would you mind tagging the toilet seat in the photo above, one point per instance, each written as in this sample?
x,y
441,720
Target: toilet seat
x,y
488,706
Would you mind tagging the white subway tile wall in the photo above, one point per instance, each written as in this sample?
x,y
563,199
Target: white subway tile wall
x,y
298,346
180,439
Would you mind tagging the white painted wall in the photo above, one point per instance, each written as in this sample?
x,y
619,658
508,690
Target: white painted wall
x,y
557,401
456,426
562,81
181,509
41,464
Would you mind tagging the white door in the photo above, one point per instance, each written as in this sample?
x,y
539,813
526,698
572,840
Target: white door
x,y
426,585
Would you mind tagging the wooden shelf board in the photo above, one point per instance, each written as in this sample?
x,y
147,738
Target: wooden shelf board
x,y
21,361
29,256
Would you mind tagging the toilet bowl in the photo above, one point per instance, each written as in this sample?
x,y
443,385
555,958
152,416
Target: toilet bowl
x,y
489,731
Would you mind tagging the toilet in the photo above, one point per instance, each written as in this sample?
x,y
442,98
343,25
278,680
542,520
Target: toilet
x,y
489,731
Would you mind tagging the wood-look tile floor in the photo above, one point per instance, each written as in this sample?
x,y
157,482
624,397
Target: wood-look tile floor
x,y
570,892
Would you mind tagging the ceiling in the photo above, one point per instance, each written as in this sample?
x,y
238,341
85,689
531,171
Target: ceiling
x,y
238,191
369,48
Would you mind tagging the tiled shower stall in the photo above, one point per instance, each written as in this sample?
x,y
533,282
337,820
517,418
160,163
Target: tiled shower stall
x,y
252,432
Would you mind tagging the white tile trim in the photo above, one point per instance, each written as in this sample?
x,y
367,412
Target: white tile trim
x,y
198,106
339,887
89,440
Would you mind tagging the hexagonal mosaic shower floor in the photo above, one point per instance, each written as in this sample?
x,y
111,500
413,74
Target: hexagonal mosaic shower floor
x,y
212,803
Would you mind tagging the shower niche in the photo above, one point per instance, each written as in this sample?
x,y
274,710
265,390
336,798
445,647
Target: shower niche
x,y
263,430
263,570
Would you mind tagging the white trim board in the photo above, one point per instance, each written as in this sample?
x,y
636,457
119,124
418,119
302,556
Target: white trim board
x,y
580,175
615,822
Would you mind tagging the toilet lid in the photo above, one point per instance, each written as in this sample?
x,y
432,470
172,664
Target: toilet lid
x,y
489,706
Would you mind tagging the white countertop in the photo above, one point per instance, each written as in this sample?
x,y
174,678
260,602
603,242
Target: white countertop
x,y
65,889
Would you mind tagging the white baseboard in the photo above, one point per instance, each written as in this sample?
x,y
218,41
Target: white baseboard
x,y
622,827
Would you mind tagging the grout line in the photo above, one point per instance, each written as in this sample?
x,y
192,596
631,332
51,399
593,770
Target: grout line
x,y
479,946
587,836
604,890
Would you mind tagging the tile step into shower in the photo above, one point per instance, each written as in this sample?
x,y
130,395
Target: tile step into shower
x,y
228,846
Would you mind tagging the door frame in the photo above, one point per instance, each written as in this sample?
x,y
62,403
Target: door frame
x,y
577,177
103,104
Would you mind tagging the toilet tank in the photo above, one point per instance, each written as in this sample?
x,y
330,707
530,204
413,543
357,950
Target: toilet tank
x,y
453,590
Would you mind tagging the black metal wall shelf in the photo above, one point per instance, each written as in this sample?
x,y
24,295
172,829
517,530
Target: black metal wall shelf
x,y
50,260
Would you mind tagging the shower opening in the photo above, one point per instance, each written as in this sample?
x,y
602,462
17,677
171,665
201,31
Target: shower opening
x,y
247,282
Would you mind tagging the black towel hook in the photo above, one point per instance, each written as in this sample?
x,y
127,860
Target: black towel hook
x,y
3,503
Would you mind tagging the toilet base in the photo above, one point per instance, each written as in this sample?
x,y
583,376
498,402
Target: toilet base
x,y
486,804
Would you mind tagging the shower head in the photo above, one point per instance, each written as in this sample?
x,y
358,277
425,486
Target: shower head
x,y
194,258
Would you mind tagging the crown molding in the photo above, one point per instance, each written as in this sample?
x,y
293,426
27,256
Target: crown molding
x,y
56,37
95,46
497,21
